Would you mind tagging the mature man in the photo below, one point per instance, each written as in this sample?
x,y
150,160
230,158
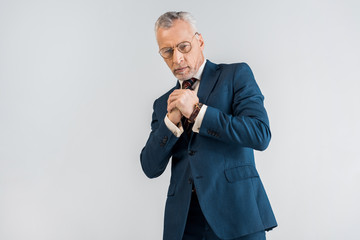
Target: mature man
x,y
208,124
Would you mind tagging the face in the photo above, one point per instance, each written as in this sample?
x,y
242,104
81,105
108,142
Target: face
x,y
183,65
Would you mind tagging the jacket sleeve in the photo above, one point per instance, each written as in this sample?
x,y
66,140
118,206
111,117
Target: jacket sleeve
x,y
155,155
248,124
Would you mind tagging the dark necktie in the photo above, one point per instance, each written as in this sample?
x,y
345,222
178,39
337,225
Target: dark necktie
x,y
188,84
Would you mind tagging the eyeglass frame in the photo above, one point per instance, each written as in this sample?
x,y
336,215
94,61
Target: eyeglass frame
x,y
177,47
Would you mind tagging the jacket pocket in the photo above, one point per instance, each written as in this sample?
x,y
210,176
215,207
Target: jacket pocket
x,y
240,173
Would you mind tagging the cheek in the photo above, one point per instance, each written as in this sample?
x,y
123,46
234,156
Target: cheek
x,y
169,63
190,60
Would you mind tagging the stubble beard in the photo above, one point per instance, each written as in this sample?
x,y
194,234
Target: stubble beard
x,y
187,75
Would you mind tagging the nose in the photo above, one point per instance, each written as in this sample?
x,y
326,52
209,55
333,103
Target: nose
x,y
178,57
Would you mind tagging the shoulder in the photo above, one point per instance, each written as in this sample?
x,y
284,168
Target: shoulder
x,y
234,71
230,68
242,66
238,75
239,70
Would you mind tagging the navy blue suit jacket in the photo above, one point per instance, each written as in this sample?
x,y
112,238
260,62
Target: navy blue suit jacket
x,y
219,160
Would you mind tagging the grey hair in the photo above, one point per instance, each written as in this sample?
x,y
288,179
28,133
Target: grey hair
x,y
166,20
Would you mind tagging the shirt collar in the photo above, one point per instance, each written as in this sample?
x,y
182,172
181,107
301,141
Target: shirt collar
x,y
200,71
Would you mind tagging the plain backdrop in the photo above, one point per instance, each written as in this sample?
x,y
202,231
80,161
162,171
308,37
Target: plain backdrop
x,y
77,83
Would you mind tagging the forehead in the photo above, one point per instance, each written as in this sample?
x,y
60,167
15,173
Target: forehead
x,y
179,32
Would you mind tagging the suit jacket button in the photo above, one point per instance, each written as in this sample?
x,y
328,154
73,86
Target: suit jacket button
x,y
192,153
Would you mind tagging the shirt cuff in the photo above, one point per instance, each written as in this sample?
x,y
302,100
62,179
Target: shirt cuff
x,y
199,119
177,131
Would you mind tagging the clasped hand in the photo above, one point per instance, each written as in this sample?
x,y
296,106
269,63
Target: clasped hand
x,y
181,102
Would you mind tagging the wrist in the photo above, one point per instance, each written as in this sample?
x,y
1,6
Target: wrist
x,y
173,119
195,112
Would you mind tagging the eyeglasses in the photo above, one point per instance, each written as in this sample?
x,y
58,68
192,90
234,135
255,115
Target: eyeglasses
x,y
183,47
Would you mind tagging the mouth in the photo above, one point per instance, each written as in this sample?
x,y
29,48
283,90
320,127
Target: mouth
x,y
180,70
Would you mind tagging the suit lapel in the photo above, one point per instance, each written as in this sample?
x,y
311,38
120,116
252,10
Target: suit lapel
x,y
177,85
208,80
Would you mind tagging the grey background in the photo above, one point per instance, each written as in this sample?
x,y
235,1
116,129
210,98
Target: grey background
x,y
77,83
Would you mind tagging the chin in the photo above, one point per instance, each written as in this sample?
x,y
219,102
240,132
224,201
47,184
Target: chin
x,y
183,76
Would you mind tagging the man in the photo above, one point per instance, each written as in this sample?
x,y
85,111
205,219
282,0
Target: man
x,y
208,124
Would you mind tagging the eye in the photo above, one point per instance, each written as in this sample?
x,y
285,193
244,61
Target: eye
x,y
184,47
166,52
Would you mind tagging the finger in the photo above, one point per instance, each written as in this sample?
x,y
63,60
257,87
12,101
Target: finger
x,y
173,94
170,100
173,98
176,96
179,91
171,106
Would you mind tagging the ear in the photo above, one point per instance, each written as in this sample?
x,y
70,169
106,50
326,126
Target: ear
x,y
201,41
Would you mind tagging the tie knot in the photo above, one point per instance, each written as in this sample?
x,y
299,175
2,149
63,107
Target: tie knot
x,y
187,84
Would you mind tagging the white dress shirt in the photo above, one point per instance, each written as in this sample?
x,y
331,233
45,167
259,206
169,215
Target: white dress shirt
x,y
177,131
